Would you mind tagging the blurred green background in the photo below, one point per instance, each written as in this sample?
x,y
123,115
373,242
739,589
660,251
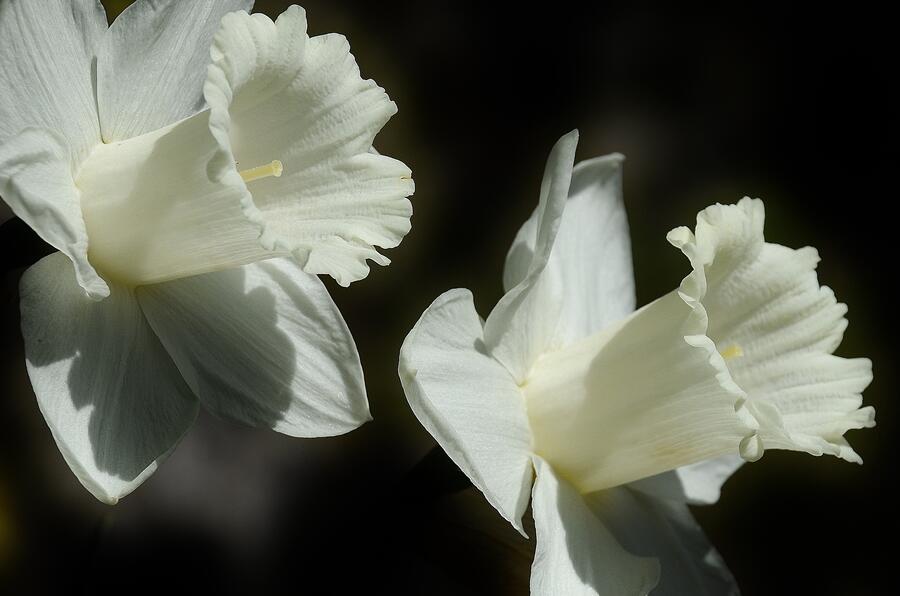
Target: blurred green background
x,y
774,101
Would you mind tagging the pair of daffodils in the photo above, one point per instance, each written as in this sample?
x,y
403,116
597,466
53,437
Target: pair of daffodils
x,y
194,194
196,167
614,420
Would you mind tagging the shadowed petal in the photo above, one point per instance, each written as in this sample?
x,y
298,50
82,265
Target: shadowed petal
x,y
264,345
576,553
111,395
697,484
666,530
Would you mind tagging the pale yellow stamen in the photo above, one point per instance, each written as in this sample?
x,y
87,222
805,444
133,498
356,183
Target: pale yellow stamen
x,y
273,169
732,351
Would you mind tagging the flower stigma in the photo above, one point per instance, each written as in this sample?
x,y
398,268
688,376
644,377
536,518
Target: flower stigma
x,y
732,351
275,168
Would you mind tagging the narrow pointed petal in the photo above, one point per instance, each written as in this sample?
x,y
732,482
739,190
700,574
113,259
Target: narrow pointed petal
x,y
525,322
36,182
112,397
263,345
695,484
592,254
468,402
152,67
646,526
46,78
576,553
276,94
765,300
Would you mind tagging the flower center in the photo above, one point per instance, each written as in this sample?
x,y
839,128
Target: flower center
x,y
636,400
156,209
731,352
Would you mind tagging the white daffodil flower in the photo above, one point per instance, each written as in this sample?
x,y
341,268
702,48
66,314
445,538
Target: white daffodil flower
x,y
198,166
626,417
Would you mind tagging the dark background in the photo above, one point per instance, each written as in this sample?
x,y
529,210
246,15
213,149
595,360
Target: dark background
x,y
782,102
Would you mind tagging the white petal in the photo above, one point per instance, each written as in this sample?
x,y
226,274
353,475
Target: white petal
x,y
45,74
696,484
576,553
276,94
264,345
766,300
111,395
468,402
591,255
525,322
36,182
666,530
648,395
152,66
